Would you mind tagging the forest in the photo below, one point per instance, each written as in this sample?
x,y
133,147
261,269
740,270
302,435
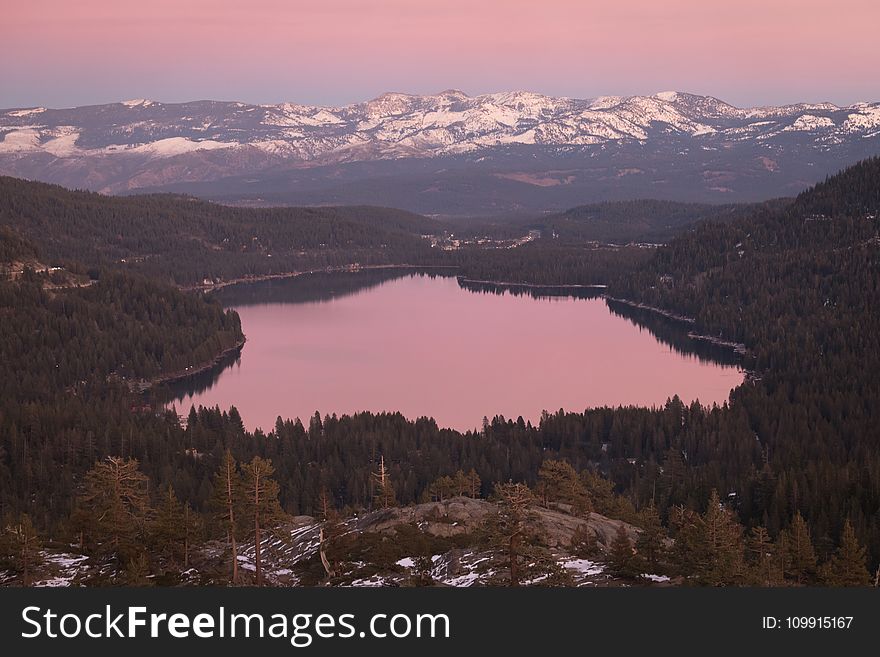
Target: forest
x,y
789,469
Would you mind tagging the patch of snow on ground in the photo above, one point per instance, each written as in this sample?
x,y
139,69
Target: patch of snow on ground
x,y
583,566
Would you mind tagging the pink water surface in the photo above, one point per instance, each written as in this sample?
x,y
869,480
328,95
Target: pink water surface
x,y
426,347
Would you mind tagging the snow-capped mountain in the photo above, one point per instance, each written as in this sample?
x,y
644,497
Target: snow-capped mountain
x,y
516,139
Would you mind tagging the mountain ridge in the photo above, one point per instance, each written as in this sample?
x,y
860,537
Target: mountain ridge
x,y
522,150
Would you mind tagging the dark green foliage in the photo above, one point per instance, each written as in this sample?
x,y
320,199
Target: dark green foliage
x,y
642,220
123,325
709,549
651,542
20,549
559,482
184,240
797,553
847,565
622,559
115,507
794,451
14,247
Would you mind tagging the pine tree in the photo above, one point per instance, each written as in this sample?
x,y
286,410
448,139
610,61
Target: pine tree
x,y
584,543
331,530
799,558
847,564
115,500
651,542
227,502
261,493
384,496
725,564
174,528
519,542
559,482
20,549
460,484
761,551
708,548
474,484
622,559
441,488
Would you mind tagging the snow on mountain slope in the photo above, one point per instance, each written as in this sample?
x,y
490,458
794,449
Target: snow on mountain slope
x,y
442,152
403,125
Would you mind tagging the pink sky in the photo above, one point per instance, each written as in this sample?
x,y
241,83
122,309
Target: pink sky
x,y
62,53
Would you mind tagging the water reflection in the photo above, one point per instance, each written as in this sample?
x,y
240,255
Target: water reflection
x,y
428,344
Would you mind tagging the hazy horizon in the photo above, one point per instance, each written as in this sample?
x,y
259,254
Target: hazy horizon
x,y
296,101
60,54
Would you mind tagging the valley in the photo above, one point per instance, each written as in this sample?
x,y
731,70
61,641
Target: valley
x,y
790,284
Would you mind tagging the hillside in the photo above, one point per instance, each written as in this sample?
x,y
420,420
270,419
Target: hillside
x,y
184,240
637,221
792,459
800,287
429,544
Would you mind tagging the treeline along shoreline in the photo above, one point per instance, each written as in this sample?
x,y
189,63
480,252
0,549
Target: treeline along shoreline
x,y
794,452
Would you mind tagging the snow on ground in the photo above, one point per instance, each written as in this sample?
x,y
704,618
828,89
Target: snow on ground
x,y
21,141
26,112
62,567
582,566
179,145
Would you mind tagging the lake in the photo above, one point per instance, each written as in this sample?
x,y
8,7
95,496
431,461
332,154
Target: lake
x,y
428,345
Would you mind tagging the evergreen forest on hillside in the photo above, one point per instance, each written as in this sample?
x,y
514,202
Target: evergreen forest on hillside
x,y
788,472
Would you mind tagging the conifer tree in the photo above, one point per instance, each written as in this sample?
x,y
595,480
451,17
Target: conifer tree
x,y
331,529
264,510
115,500
474,484
227,504
441,488
20,549
622,559
559,482
584,543
651,542
384,496
709,548
761,551
847,564
723,535
799,558
460,485
515,500
174,528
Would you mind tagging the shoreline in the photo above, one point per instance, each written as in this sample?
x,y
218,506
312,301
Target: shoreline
x,y
565,286
737,347
653,309
341,269
183,375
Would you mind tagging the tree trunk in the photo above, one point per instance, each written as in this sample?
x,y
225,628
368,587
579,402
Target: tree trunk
x,y
257,529
514,570
26,558
229,502
186,537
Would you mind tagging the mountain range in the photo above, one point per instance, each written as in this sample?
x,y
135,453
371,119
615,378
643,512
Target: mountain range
x,y
447,153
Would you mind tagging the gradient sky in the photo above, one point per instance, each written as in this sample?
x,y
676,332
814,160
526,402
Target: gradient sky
x,y
61,53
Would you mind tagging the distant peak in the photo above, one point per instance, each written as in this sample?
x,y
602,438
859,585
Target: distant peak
x,y
453,92
138,102
669,96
